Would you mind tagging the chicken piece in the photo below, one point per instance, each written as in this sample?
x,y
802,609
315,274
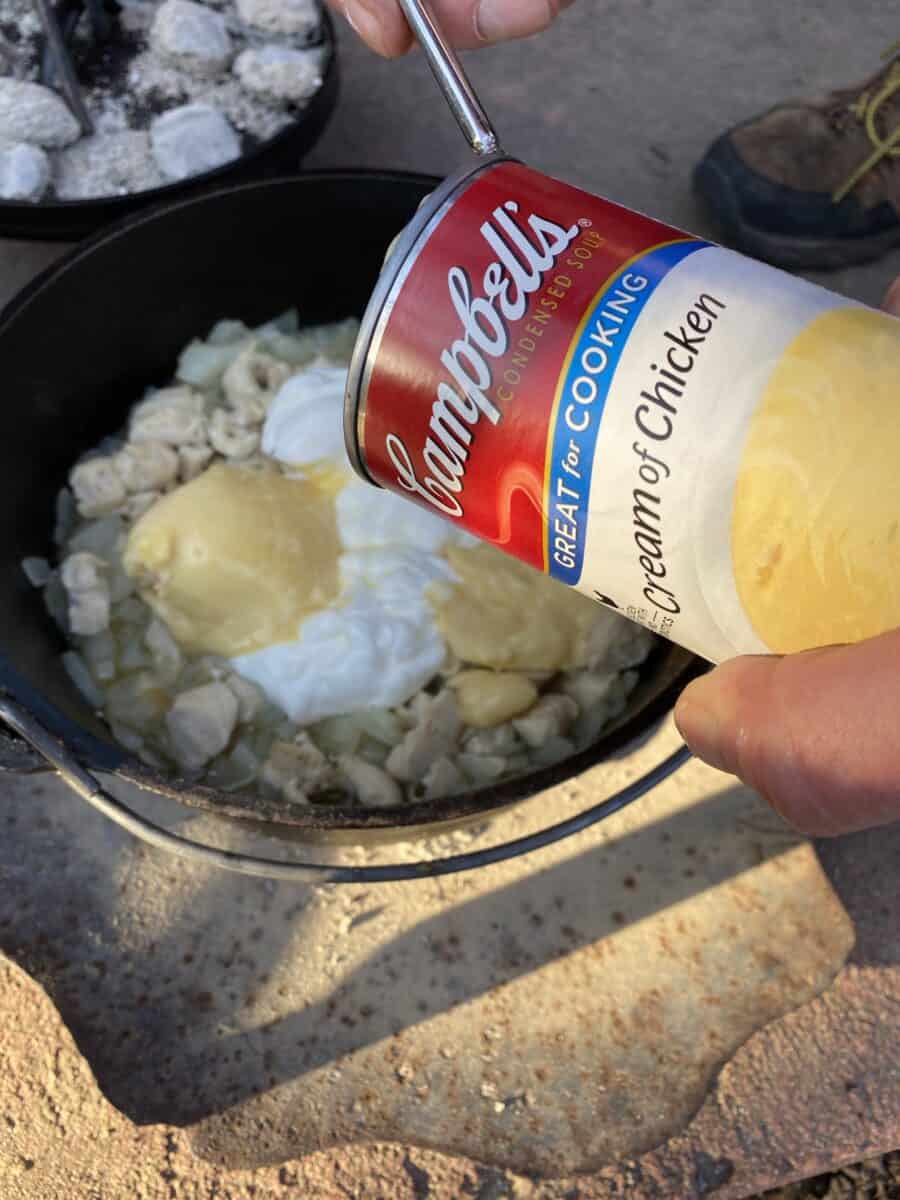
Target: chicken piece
x,y
552,716
298,769
613,643
502,740
226,333
281,775
146,466
553,750
631,648
126,737
249,697
98,487
200,724
604,630
250,383
174,415
83,572
89,613
192,460
99,652
418,709
167,658
138,504
374,787
134,655
442,778
319,772
231,438
589,689
482,768
433,738
136,700
84,576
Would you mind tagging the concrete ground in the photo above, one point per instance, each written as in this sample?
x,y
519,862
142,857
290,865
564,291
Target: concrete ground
x,y
688,1000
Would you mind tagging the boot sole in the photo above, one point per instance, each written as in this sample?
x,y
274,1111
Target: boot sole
x,y
792,253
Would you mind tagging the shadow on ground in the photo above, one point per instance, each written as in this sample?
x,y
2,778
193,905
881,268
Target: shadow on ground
x,y
552,1012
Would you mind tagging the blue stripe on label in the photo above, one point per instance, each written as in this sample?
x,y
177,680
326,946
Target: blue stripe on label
x,y
581,399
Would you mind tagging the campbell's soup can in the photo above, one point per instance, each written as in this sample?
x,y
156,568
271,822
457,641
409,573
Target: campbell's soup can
x,y
701,442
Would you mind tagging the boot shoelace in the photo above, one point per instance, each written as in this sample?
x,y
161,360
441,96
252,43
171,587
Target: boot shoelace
x,y
867,109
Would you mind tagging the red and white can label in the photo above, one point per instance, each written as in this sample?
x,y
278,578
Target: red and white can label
x,y
591,391
477,403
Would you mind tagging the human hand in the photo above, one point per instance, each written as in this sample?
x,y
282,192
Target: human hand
x,y
817,734
468,23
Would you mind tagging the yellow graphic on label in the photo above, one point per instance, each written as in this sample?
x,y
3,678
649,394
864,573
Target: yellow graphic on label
x,y
815,531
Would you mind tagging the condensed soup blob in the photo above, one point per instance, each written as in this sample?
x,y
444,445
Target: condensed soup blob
x,y
236,559
505,615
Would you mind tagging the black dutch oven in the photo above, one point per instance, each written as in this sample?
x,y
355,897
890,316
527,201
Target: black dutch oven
x,y
71,220
81,343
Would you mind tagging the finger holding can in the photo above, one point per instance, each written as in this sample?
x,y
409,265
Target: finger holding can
x,y
468,24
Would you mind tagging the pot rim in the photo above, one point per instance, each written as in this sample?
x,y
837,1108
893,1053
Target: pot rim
x,y
123,225
97,754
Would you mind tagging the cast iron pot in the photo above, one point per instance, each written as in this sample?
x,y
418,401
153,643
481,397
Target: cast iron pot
x,y
77,348
71,220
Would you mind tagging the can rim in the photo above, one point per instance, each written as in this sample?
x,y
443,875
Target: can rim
x,y
403,254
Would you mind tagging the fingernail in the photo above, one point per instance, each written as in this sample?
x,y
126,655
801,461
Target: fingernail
x,y
698,723
496,20
892,299
363,21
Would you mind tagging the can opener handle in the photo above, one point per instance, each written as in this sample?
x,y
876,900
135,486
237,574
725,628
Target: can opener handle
x,y
451,78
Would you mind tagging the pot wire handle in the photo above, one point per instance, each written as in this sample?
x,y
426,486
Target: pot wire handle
x,y
451,78
87,787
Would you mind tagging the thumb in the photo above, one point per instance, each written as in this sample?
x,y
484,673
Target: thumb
x,y
816,733
467,23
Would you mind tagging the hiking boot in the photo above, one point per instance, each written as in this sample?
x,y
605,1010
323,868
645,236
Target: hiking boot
x,y
812,183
